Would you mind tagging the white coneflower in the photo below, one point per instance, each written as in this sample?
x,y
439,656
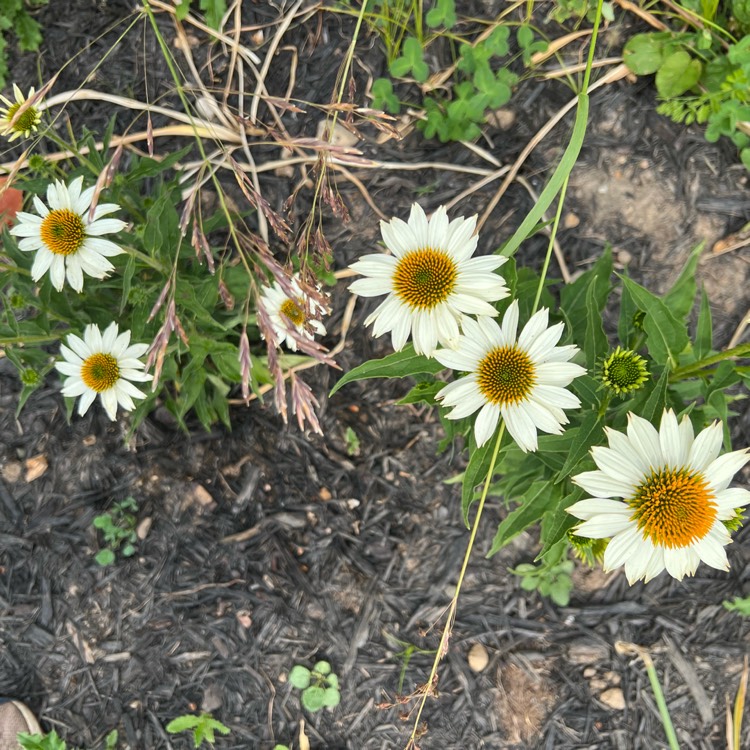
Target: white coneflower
x,y
296,313
67,242
675,498
27,121
431,280
521,379
103,364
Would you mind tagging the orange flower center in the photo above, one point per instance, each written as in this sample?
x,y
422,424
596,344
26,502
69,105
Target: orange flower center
x,y
424,278
63,231
506,375
674,507
294,310
100,372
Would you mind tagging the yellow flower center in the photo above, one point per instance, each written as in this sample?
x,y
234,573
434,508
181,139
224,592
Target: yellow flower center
x,y
424,278
506,375
100,372
674,507
28,120
63,231
294,310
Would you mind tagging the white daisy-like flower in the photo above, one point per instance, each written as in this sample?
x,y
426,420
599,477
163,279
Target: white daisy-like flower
x,y
431,280
521,379
298,313
66,241
674,497
103,364
27,121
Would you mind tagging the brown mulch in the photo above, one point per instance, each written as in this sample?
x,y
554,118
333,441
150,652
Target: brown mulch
x,y
353,557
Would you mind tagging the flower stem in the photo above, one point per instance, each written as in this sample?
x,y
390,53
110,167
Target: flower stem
x,y
442,649
688,371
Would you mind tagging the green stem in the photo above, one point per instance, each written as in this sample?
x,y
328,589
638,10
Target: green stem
x,y
443,647
28,340
688,371
661,704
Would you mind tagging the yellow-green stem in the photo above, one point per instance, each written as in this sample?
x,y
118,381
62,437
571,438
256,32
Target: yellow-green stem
x,y
694,368
443,647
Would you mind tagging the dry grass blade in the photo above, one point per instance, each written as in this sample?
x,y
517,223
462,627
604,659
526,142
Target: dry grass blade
x,y
734,740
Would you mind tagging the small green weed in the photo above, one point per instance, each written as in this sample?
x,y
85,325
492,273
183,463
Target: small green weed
x,y
52,742
553,580
319,686
739,604
119,529
213,10
202,726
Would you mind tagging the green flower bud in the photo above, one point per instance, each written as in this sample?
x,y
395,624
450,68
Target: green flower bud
x,y
624,371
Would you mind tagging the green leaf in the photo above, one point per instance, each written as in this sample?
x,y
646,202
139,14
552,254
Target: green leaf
x,y
559,591
331,698
182,9
383,96
643,54
704,329
28,32
322,667
397,365
423,392
162,226
525,36
666,337
476,472
595,344
411,60
299,677
677,74
497,42
214,11
654,406
444,13
105,557
183,723
555,525
681,297
313,699
589,433
573,297
536,500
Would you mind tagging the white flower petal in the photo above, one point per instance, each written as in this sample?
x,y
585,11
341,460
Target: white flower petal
x,y
706,446
720,471
486,423
599,484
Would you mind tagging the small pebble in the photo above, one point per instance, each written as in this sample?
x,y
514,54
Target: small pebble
x,y
478,658
613,698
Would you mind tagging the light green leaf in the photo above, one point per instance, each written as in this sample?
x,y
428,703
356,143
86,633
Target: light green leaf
x,y
331,698
313,699
677,74
299,677
680,298
476,471
589,433
595,342
643,54
654,406
397,365
322,667
704,328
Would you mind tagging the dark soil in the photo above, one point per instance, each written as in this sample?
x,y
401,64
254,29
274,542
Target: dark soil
x,y
347,557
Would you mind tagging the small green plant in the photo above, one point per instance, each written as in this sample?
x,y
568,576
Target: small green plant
x,y
14,15
213,10
405,655
552,580
352,442
119,529
319,686
702,70
203,727
739,604
51,741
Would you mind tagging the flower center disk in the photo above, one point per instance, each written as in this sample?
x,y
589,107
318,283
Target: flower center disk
x,y
294,311
28,119
506,375
424,278
63,231
100,372
674,507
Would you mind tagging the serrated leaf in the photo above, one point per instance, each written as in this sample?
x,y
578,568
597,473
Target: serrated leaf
x,y
540,497
677,74
28,31
183,723
397,365
666,337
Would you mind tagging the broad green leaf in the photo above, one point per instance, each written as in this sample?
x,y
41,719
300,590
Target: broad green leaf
x,y
626,328
397,365
383,96
331,698
666,337
322,667
313,699
677,74
443,14
214,11
587,389
105,557
643,54
704,328
555,525
411,60
423,393
590,433
539,498
299,677
573,296
681,297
